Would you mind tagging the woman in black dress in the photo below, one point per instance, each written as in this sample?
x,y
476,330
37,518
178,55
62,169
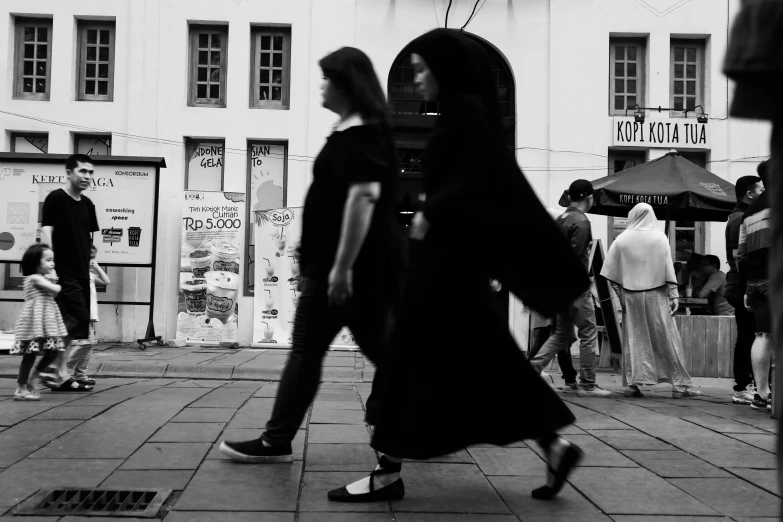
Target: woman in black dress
x,y
455,376
350,249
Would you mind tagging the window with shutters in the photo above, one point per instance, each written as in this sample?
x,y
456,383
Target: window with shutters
x,y
271,75
626,71
96,61
208,66
686,76
33,55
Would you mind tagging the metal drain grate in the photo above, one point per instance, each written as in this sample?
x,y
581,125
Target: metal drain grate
x,y
129,502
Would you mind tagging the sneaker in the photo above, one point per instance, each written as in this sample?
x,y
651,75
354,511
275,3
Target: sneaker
x,y
570,387
687,394
760,404
633,391
744,396
595,391
255,452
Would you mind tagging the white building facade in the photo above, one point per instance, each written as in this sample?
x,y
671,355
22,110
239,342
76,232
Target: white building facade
x,y
212,86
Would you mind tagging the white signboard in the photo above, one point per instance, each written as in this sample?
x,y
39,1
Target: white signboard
x,y
124,198
677,133
277,278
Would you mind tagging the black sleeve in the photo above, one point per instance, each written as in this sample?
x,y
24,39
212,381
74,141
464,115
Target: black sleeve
x,y
366,158
52,210
93,218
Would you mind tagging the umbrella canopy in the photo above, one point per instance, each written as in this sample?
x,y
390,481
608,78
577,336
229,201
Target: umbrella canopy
x,y
676,188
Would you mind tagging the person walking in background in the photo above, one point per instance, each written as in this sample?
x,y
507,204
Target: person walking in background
x,y
441,391
714,287
748,189
67,223
581,312
39,327
640,268
351,257
753,267
82,349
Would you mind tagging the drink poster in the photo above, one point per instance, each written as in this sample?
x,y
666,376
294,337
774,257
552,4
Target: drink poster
x,y
277,234
210,259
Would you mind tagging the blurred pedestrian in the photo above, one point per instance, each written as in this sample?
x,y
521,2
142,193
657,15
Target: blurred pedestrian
x,y
455,376
640,268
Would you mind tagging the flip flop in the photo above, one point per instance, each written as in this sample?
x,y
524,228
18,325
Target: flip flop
x,y
29,396
87,381
72,386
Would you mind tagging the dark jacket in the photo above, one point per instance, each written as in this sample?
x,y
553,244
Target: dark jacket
x,y
754,241
734,287
577,230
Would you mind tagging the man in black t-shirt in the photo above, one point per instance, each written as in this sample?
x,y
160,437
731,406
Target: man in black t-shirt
x,y
67,224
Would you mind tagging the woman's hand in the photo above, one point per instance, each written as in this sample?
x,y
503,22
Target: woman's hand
x,y
674,304
419,226
52,276
745,302
340,286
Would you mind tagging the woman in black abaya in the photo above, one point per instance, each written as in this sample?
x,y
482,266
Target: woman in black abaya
x,y
455,376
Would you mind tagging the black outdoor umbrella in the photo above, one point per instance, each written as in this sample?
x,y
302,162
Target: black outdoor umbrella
x,y
676,188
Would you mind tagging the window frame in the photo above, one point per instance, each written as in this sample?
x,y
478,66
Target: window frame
x,y
256,32
79,136
19,24
250,229
81,64
190,144
701,48
641,72
15,135
194,30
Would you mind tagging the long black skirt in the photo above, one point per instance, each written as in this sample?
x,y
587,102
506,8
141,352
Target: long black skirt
x,y
453,375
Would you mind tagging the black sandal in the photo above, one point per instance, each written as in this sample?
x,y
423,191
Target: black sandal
x,y
72,386
571,457
394,491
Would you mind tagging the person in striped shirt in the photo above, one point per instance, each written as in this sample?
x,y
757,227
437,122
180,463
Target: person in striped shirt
x,y
753,266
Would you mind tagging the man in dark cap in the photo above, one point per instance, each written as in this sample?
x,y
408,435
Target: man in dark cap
x,y
581,312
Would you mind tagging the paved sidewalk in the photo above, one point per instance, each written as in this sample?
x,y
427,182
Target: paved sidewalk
x,y
650,459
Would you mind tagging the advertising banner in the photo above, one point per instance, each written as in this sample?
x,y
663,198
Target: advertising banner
x,y
277,234
213,230
124,198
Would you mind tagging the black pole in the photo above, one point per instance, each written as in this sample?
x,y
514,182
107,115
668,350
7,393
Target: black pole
x,y
150,333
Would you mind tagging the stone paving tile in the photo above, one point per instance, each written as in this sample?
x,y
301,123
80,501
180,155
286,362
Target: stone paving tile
x,y
350,517
11,518
67,412
731,496
337,405
590,420
254,413
571,430
326,416
447,488
14,412
101,519
267,391
569,504
340,457
196,383
188,432
449,517
724,451
297,446
224,398
630,440
767,442
635,491
23,439
597,454
217,516
508,461
227,486
99,400
166,455
653,518
339,361
255,385
766,479
720,424
174,479
517,444
28,476
317,484
338,434
120,431
458,457
675,464
202,415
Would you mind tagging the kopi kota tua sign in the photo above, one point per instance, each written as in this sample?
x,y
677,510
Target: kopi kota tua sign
x,y
678,133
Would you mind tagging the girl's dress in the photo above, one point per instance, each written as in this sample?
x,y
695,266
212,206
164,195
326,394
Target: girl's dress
x,y
40,325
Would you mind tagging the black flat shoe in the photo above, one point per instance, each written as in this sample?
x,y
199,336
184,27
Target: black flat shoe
x,y
571,457
394,491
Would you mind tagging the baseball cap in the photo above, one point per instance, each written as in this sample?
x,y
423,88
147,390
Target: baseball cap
x,y
580,189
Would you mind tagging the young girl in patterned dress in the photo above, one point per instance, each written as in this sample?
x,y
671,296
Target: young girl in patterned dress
x,y
40,326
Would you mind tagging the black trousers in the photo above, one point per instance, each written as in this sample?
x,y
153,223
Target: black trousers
x,y
746,334
563,356
368,315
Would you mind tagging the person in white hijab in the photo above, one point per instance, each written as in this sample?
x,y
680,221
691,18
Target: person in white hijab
x,y
639,266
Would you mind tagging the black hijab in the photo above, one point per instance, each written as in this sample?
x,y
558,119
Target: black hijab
x,y
529,254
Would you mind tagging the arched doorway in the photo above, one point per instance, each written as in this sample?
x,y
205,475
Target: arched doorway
x,y
412,119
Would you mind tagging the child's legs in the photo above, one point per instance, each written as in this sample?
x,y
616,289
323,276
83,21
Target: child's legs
x,y
49,356
28,360
79,359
